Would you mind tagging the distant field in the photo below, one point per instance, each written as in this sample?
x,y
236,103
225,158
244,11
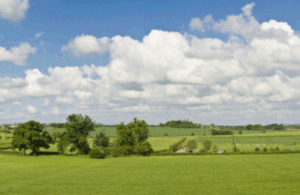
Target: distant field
x,y
160,131
212,175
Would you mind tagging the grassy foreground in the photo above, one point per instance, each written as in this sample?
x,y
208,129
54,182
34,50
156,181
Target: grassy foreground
x,y
235,174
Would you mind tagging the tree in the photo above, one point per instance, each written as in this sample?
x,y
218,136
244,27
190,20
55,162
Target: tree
x,y
207,145
77,129
30,135
101,140
131,138
192,145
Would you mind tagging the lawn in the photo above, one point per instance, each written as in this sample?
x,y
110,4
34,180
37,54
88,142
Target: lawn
x,y
235,174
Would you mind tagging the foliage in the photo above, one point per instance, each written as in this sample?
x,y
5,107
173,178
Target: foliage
x,y
265,149
30,135
131,138
207,145
77,129
256,149
175,147
192,145
180,124
240,132
56,125
221,132
275,126
101,140
192,134
257,127
99,152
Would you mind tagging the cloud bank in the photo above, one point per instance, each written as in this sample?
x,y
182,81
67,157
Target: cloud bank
x,y
252,76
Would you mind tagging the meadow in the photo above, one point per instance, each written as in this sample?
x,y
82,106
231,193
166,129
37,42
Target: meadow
x,y
161,131
234,174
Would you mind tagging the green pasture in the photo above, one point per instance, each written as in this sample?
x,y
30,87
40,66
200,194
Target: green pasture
x,y
212,175
161,131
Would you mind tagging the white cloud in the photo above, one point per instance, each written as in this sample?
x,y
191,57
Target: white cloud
x,y
38,35
13,9
64,100
17,103
17,55
31,109
55,110
46,102
196,23
87,45
175,75
247,9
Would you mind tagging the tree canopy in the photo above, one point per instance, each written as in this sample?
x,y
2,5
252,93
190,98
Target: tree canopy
x,y
77,130
30,135
131,138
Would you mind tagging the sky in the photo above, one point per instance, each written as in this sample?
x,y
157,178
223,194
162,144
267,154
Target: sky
x,y
222,62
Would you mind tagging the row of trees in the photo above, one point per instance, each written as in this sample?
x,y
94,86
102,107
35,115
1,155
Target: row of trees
x,y
180,124
130,138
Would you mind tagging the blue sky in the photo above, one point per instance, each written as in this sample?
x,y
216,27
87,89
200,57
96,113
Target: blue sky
x,y
216,62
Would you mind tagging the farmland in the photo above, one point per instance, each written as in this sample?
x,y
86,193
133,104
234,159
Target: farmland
x,y
238,174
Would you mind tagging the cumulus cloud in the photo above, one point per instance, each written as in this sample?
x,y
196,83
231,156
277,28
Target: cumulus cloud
x,y
31,109
176,74
196,23
87,45
38,35
17,55
13,9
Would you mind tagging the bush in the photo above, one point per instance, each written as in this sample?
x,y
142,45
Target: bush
x,y
240,132
145,149
99,153
234,149
207,145
256,149
277,148
192,134
204,134
221,132
192,145
215,149
177,145
0,137
265,149
264,131
166,134
295,143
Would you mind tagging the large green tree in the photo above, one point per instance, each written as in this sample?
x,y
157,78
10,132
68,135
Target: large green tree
x,y
30,135
131,138
77,130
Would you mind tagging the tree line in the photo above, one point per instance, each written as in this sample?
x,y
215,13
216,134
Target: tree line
x,y
179,124
130,139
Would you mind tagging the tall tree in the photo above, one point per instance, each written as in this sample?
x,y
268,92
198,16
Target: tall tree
x,y
30,135
131,138
77,130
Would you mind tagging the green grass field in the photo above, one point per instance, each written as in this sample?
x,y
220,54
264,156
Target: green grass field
x,y
225,175
160,131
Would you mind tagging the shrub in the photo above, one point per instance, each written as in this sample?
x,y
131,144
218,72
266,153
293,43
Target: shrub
x,y
277,148
207,145
204,134
177,145
145,149
234,149
192,134
101,140
166,134
0,137
295,143
240,132
215,149
265,149
99,153
264,131
192,145
256,149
